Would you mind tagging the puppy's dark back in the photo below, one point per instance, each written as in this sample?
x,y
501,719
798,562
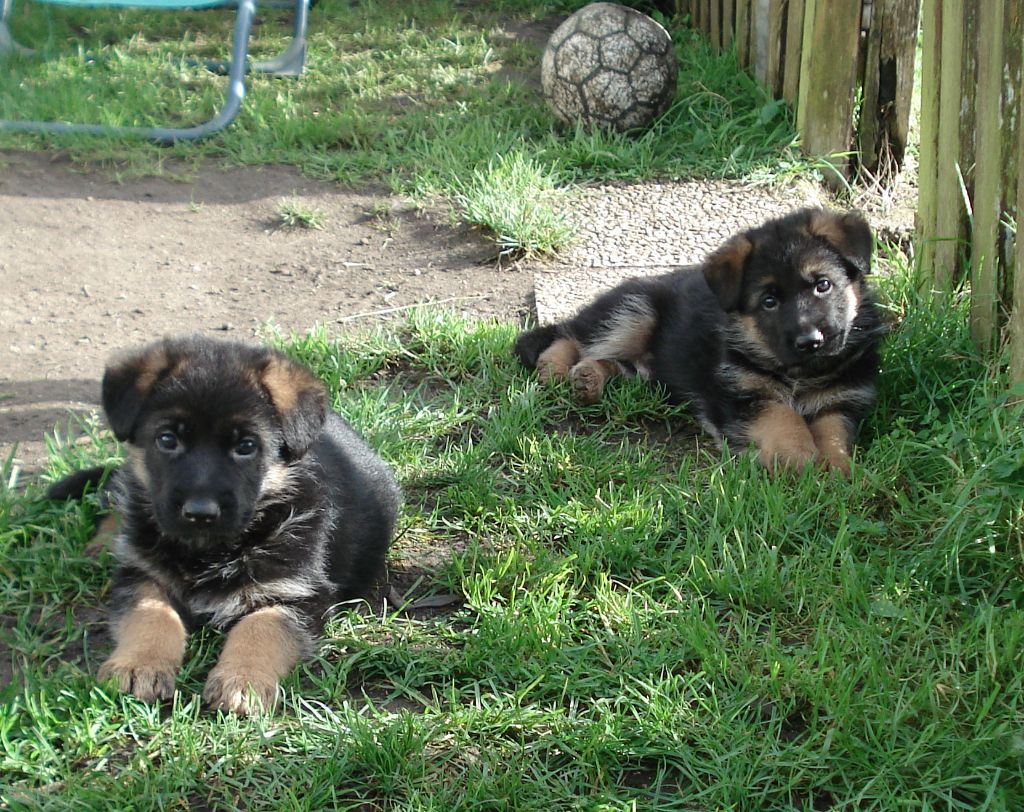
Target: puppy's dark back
x,y
686,345
369,498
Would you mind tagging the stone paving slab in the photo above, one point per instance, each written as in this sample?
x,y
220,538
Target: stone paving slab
x,y
649,228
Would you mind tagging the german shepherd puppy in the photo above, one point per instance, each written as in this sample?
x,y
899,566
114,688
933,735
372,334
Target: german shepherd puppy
x,y
245,503
773,341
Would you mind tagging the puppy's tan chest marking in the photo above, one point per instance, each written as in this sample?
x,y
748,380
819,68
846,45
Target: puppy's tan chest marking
x,y
809,398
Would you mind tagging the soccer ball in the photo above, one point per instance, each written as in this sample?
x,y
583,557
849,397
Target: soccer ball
x,y
610,66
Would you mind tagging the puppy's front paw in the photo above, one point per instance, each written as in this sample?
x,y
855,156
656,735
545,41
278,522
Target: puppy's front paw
x,y
588,378
555,362
147,677
793,455
835,459
239,691
782,438
551,369
833,436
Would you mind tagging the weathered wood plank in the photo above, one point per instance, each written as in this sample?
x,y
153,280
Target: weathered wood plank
x,y
728,23
829,79
773,46
988,177
794,51
888,86
970,42
715,24
949,229
869,126
1013,37
1014,107
759,39
927,173
743,32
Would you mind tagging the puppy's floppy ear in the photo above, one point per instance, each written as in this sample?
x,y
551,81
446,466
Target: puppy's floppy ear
x,y
127,382
723,271
849,234
299,399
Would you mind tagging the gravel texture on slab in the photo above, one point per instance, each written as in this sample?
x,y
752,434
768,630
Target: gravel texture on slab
x,y
649,228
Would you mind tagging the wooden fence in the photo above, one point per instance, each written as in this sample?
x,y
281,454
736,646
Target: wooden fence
x,y
971,197
821,55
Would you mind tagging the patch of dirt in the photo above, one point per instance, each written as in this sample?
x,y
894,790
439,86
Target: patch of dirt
x,y
89,266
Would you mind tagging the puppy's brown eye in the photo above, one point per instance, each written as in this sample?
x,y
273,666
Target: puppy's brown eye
x,y
769,302
823,285
246,447
166,441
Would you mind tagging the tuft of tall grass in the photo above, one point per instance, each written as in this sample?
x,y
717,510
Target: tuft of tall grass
x,y
517,200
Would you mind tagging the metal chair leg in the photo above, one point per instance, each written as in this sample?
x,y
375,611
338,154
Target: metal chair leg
x,y
227,113
289,62
293,58
8,44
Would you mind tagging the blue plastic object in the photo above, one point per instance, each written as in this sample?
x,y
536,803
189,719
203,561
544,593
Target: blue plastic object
x,y
289,63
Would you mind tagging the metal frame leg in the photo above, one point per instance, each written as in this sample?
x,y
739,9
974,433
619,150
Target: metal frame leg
x,y
8,43
287,63
292,59
237,69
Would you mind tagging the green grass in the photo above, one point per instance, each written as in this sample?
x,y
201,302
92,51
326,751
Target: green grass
x,y
644,624
292,213
432,97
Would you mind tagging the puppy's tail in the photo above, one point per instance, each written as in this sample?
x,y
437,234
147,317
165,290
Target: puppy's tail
x,y
530,344
73,486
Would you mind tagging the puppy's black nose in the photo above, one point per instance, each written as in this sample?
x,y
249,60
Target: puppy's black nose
x,y
809,341
200,510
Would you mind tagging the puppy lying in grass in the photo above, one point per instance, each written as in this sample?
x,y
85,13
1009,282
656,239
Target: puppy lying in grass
x,y
245,503
773,341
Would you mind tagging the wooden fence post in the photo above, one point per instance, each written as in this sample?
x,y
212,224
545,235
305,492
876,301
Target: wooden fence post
x,y
1016,319
888,86
927,175
987,178
743,32
949,202
794,52
828,79
773,73
728,21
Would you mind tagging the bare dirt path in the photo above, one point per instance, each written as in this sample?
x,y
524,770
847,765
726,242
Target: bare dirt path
x,y
89,266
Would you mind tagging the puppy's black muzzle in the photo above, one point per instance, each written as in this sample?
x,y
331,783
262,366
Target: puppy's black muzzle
x,y
809,341
201,511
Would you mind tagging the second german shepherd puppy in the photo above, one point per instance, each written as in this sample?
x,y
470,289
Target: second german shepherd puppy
x,y
772,341
245,503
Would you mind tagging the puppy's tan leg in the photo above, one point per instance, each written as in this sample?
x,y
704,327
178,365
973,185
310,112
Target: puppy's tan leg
x,y
107,530
150,646
782,437
589,377
260,649
831,434
555,362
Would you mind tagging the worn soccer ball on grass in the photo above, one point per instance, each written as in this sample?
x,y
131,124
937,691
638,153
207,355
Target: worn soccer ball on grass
x,y
610,66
